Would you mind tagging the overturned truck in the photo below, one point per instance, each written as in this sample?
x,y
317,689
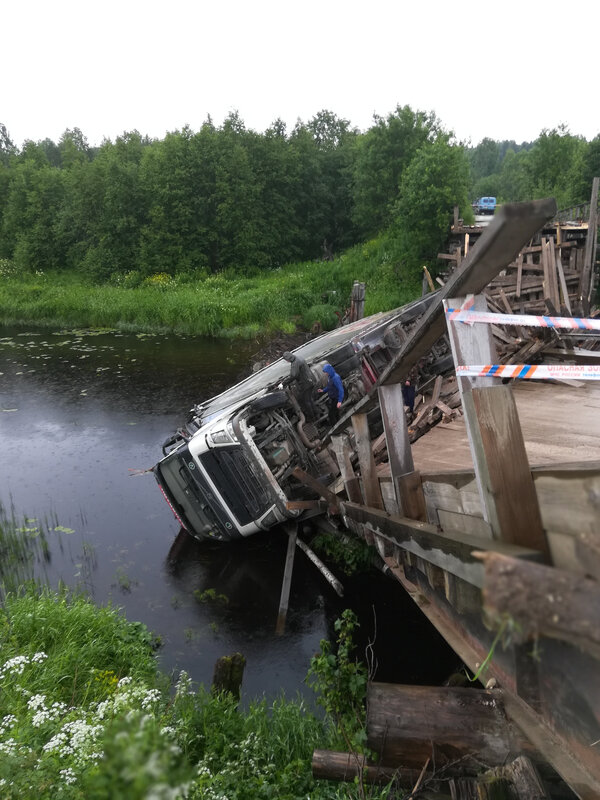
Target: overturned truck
x,y
229,471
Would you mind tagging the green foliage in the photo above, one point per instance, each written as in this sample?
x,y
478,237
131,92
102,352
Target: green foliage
x,y
81,718
340,682
351,554
435,181
382,155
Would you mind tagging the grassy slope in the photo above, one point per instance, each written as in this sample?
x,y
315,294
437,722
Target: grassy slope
x,y
219,305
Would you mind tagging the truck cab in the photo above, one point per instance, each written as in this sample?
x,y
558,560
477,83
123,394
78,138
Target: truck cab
x,y
485,205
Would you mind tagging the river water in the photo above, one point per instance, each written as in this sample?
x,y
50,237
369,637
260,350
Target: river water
x,y
81,414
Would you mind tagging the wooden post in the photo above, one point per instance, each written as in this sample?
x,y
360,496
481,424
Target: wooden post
x,y
506,475
287,581
406,481
357,304
508,497
370,481
587,274
341,448
228,674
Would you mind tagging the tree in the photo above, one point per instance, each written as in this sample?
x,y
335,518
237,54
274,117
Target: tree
x,y
382,155
434,182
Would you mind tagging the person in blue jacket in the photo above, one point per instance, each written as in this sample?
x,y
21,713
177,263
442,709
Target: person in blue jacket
x,y
335,393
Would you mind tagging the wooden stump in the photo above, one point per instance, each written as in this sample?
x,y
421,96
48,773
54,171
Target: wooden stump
x,y
228,674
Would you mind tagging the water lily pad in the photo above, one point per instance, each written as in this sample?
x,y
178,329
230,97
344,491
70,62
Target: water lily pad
x,y
62,529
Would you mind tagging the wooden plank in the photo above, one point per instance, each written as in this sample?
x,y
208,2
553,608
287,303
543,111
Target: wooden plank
x,y
452,551
366,461
507,476
405,723
287,581
341,448
543,601
587,549
519,274
316,486
587,273
407,482
563,284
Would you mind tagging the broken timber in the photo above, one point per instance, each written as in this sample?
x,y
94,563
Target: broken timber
x,y
497,548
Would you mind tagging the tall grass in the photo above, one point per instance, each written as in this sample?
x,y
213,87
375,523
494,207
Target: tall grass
x,y
226,304
85,714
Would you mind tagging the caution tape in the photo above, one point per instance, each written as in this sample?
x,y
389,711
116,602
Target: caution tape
x,y
583,372
527,320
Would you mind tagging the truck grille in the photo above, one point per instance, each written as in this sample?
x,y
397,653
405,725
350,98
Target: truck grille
x,y
233,476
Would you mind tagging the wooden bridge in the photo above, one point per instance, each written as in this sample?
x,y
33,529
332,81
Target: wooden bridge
x,y
491,523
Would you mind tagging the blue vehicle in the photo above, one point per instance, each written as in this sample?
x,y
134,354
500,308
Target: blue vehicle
x,y
485,205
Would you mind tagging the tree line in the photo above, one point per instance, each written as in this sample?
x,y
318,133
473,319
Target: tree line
x,y
228,197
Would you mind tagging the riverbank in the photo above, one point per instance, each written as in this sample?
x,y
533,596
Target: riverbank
x,y
294,298
84,713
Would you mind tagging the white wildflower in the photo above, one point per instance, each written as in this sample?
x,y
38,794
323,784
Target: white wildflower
x,y
68,775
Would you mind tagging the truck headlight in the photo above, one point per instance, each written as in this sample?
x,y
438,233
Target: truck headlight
x,y
221,437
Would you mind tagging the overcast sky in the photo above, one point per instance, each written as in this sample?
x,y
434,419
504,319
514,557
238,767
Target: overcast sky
x,y
500,68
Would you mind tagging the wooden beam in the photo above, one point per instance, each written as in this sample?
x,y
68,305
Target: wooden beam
x,y
406,481
308,480
587,274
408,724
508,486
543,600
341,448
287,580
367,462
450,551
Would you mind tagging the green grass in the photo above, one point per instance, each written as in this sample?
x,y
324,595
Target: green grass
x,y
227,304
85,714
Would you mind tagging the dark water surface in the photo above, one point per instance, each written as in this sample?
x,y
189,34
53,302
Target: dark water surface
x,y
79,414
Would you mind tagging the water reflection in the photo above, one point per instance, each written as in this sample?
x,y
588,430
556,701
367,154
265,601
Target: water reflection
x,y
80,416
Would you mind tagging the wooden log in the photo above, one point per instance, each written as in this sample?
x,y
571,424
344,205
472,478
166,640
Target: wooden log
x,y
325,571
409,724
543,601
228,674
332,766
